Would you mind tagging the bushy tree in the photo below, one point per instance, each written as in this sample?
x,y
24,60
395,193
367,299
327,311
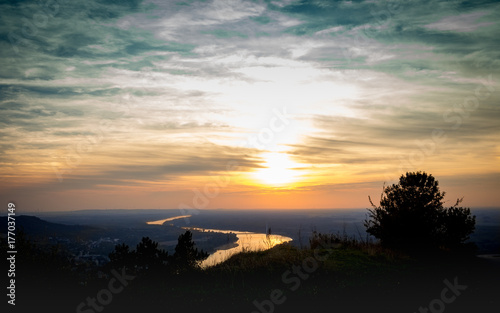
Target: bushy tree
x,y
458,224
149,256
122,256
186,256
411,215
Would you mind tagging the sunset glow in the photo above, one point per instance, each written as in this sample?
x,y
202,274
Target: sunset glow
x,y
247,104
278,171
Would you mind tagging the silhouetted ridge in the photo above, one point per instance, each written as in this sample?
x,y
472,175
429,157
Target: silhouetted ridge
x,y
35,226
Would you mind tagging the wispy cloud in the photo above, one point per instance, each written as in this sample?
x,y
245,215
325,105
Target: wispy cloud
x,y
142,94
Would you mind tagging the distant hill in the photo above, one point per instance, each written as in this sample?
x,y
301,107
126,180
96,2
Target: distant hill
x,y
38,228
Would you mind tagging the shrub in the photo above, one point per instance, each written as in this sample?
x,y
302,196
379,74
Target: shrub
x,y
411,216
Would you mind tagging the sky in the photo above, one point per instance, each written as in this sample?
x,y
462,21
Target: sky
x,y
245,104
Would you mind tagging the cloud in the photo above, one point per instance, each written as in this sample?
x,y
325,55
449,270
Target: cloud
x,y
460,23
362,81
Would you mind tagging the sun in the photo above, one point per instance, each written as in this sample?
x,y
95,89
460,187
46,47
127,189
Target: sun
x,y
278,170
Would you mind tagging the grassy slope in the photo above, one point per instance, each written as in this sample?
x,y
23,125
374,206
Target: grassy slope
x,y
358,279
349,280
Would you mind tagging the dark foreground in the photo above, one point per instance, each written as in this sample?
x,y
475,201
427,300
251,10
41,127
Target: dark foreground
x,y
283,279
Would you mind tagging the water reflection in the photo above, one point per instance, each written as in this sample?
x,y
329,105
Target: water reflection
x,y
161,222
247,241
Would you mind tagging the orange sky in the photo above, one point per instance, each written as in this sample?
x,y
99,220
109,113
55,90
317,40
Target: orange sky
x,y
281,105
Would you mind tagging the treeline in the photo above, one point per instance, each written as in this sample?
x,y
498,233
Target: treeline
x,y
55,263
148,258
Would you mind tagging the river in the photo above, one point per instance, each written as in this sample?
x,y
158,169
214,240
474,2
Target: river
x,y
247,241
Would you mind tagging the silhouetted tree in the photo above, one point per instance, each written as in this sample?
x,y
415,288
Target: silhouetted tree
x,y
122,256
149,256
411,215
458,224
186,256
146,257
